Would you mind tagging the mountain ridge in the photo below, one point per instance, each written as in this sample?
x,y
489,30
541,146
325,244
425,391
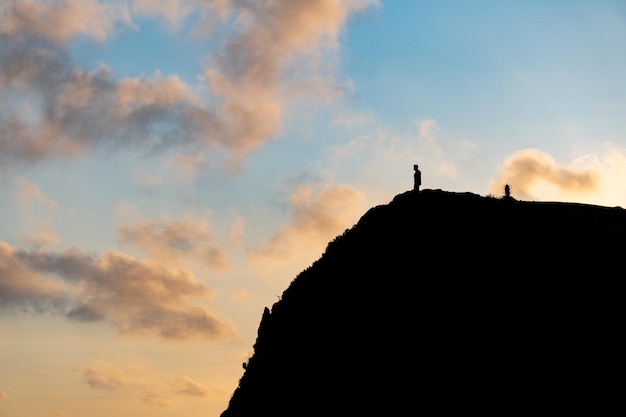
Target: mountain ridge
x,y
445,301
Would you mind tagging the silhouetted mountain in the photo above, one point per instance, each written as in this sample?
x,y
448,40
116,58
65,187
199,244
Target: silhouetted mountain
x,y
443,302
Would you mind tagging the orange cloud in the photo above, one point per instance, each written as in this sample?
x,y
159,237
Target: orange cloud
x,y
76,112
3,395
171,240
109,289
22,288
137,93
527,170
187,386
299,29
141,381
318,215
155,398
102,375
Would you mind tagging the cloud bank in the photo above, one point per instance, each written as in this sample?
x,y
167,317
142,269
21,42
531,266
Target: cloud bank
x,y
52,108
136,297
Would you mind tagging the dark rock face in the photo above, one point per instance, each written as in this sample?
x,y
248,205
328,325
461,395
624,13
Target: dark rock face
x,y
443,302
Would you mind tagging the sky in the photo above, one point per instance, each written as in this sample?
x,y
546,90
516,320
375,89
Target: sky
x,y
168,167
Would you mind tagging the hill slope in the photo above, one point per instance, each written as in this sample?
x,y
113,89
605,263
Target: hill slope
x,y
440,302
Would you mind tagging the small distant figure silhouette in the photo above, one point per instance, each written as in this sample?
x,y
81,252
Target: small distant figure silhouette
x,y
507,191
417,178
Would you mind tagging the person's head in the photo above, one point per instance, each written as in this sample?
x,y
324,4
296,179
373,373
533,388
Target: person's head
x,y
415,167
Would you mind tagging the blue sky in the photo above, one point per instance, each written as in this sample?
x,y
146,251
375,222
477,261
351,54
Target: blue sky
x,y
167,167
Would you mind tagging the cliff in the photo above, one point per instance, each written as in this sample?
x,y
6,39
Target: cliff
x,y
443,302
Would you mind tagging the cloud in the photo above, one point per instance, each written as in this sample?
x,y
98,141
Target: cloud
x,y
25,290
102,375
528,170
134,296
277,50
187,386
171,240
37,212
62,111
28,193
60,20
175,12
187,166
141,381
126,209
425,133
3,395
382,158
54,109
318,215
237,229
155,398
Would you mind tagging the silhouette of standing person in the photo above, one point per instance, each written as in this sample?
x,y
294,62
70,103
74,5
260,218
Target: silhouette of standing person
x,y
417,178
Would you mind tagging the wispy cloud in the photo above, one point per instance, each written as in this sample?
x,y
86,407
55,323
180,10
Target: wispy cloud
x,y
352,119
102,375
187,166
426,135
28,193
141,381
136,297
37,212
384,157
3,395
145,179
170,240
187,386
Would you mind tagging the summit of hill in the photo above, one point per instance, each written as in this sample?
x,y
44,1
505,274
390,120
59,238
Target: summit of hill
x,y
444,302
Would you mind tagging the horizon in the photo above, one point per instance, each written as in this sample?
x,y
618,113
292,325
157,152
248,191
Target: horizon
x,y
167,168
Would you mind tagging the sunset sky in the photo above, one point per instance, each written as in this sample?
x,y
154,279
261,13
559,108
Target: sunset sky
x,y
167,167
